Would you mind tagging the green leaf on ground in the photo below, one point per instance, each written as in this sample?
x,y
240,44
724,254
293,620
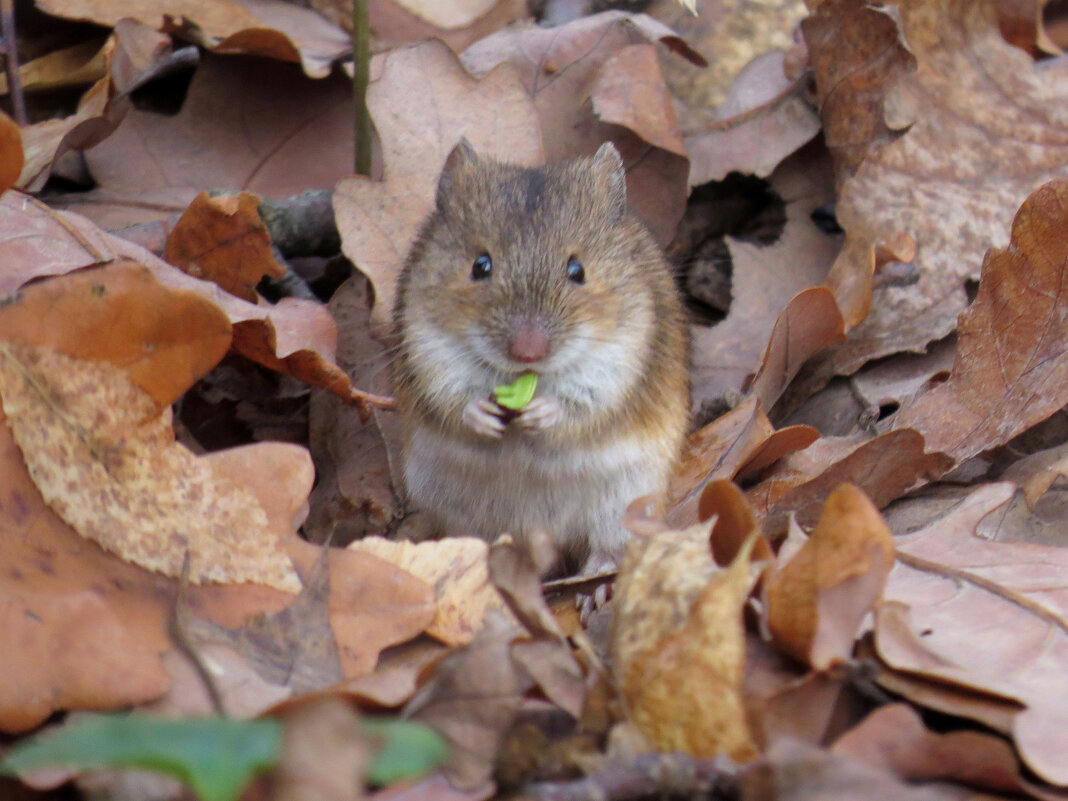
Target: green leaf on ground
x,y
408,750
214,756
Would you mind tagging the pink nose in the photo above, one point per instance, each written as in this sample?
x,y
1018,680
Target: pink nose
x,y
529,343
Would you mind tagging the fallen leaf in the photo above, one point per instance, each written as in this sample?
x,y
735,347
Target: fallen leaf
x,y
258,27
324,754
1011,370
356,461
378,220
792,771
964,593
883,467
392,24
764,297
630,91
561,67
457,569
105,459
11,155
726,448
223,239
985,128
273,131
735,523
816,601
472,701
732,33
763,120
894,738
678,644
294,336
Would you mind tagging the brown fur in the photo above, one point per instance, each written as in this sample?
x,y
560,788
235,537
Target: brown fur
x,y
624,325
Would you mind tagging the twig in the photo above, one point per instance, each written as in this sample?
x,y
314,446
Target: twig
x,y
176,630
11,62
361,47
647,775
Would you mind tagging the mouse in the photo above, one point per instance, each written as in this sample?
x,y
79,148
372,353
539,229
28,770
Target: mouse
x,y
543,271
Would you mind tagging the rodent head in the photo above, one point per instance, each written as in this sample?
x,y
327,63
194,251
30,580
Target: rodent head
x,y
531,269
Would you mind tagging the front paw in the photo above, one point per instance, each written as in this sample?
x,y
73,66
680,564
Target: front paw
x,y
481,416
541,413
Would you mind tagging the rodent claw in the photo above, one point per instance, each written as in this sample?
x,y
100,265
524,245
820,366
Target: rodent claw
x,y
542,412
479,415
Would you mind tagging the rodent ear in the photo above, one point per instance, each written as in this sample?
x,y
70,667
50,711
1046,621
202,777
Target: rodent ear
x,y
611,178
461,158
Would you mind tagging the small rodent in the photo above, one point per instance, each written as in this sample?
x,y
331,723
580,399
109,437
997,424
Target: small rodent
x,y
539,270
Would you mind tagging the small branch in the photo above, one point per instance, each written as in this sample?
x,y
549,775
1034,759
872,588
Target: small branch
x,y
361,54
176,630
649,775
11,62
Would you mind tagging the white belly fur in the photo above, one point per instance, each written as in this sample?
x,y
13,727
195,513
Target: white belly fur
x,y
518,485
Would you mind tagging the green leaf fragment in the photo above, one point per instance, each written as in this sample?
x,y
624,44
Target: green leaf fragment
x,y
408,750
517,394
215,756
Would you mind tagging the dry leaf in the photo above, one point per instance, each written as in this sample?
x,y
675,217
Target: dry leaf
x,y
763,120
883,467
764,296
678,644
894,738
561,69
1011,369
223,239
456,568
985,127
733,445
268,28
965,593
472,701
273,131
816,601
106,461
732,34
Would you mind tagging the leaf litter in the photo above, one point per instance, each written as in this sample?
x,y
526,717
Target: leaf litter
x,y
778,632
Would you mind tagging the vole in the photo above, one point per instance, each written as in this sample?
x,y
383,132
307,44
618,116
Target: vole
x,y
540,270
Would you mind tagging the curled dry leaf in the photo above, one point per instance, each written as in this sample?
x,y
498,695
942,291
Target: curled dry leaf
x,y
779,317
294,336
678,644
456,568
223,239
11,155
268,28
168,339
965,593
105,459
562,67
985,127
273,131
894,738
883,467
132,55
1011,369
816,601
378,220
763,120
733,33
472,700
741,441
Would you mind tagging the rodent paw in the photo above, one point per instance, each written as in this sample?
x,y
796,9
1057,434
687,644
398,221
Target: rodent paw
x,y
480,415
542,412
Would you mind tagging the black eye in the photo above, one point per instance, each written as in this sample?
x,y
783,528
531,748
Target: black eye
x,y
575,272
482,268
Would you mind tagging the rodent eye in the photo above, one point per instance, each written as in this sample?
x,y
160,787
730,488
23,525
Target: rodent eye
x,y
575,271
482,268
